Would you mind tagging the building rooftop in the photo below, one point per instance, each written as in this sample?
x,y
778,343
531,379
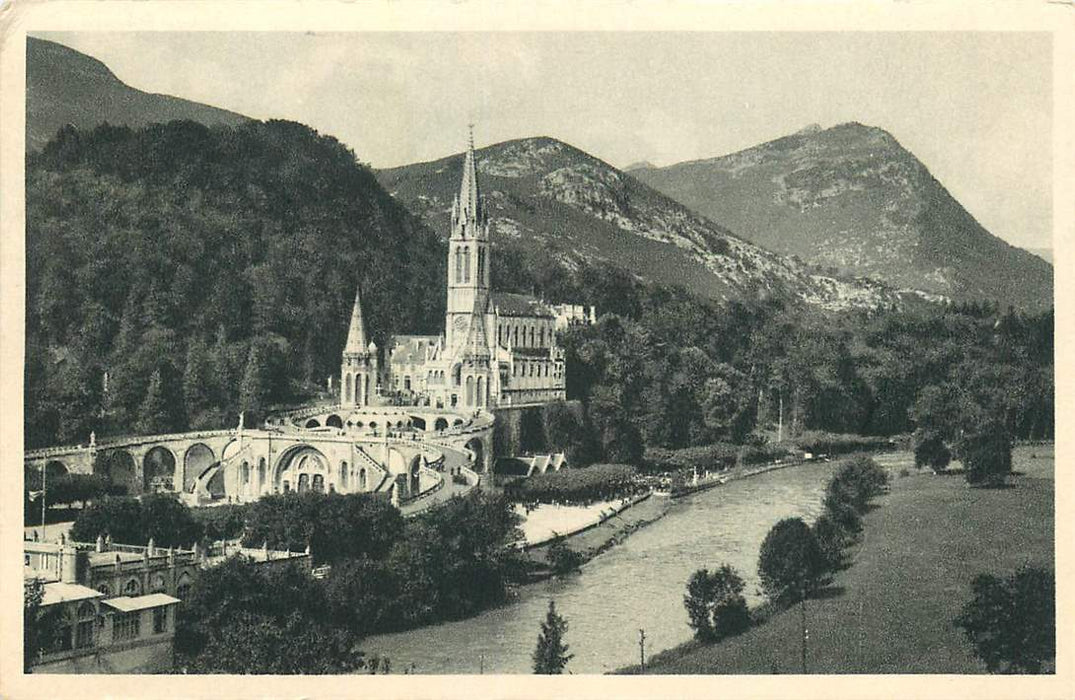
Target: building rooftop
x,y
508,304
66,592
129,604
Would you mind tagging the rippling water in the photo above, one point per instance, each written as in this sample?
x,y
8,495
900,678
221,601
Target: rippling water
x,y
637,584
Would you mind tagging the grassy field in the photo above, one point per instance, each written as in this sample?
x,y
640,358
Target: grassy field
x,y
891,611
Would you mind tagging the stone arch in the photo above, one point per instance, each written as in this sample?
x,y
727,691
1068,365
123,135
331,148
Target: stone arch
x,y
470,391
196,460
418,422
333,421
362,479
158,470
182,587
480,389
119,467
440,424
313,423
296,462
132,588
54,469
457,422
476,446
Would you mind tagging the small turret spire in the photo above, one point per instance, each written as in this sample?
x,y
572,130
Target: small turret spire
x,y
356,336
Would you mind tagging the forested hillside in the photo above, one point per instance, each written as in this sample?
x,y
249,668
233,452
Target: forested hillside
x,y
204,269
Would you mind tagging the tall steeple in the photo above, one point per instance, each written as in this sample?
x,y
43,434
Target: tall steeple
x,y
468,254
356,336
468,211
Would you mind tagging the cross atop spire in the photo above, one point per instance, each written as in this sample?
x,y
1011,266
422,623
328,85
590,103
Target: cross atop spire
x,y
356,335
470,140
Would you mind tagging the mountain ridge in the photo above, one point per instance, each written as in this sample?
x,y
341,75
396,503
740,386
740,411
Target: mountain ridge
x,y
561,202
65,86
853,199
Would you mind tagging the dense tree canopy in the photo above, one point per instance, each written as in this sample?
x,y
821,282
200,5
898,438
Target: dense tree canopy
x,y
205,270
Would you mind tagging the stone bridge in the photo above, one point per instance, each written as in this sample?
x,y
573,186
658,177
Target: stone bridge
x,y
391,450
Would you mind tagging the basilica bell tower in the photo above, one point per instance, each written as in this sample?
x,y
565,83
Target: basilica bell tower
x,y
468,258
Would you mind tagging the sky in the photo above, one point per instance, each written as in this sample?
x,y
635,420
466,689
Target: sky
x,y
975,107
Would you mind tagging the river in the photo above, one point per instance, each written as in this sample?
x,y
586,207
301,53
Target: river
x,y
637,584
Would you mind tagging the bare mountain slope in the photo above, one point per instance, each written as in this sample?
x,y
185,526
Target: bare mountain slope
x,y
552,199
852,198
64,86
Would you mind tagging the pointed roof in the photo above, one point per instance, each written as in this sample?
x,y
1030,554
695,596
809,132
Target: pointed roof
x,y
469,202
356,336
477,344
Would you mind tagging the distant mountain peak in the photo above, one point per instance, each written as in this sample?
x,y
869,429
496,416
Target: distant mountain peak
x,y
556,204
852,199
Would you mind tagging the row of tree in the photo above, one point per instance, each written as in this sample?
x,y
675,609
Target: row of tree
x,y
795,559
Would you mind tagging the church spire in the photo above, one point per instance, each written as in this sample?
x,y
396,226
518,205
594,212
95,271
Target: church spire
x,y
356,336
468,211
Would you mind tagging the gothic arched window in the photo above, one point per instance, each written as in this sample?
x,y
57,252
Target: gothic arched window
x,y
481,265
466,264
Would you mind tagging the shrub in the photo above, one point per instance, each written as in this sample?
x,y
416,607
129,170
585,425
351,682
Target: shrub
x,y
1012,623
562,559
334,526
987,454
715,604
160,517
819,442
790,563
930,450
600,482
831,539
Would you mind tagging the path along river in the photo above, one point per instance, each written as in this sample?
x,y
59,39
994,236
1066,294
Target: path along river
x,y
637,584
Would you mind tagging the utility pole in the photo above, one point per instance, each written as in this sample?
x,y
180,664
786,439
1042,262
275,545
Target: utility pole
x,y
780,420
642,648
44,495
806,632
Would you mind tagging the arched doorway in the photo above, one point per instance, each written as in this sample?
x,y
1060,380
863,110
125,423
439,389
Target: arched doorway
x,y
119,467
158,470
440,424
313,423
54,469
196,460
418,422
334,421
298,467
476,446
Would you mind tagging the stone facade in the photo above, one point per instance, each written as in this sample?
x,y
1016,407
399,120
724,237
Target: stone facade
x,y
497,349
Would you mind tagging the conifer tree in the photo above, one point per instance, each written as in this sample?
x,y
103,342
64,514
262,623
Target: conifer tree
x,y
550,656
197,389
153,416
253,393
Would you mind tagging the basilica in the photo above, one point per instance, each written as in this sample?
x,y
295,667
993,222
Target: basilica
x,y
497,349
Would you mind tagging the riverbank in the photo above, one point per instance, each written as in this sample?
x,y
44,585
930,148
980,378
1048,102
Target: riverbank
x,y
891,611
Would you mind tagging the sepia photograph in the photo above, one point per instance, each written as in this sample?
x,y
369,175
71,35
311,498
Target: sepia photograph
x,y
352,352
